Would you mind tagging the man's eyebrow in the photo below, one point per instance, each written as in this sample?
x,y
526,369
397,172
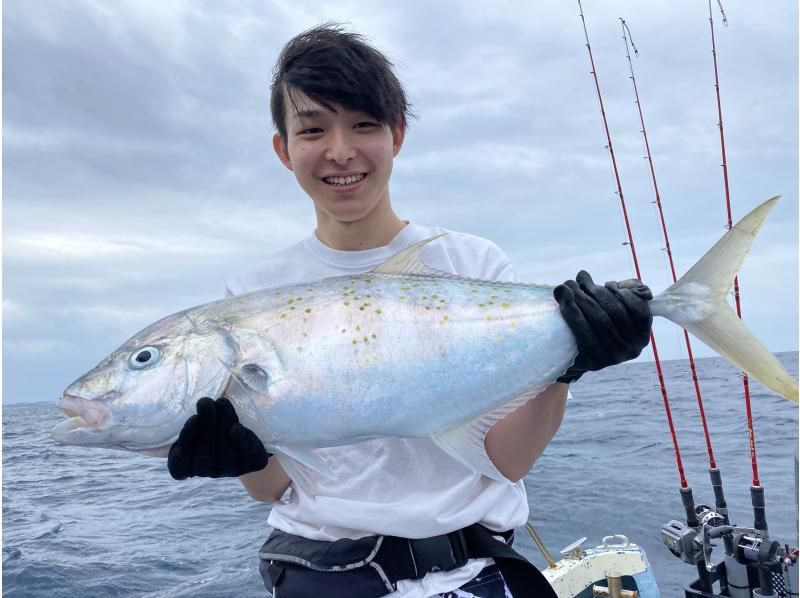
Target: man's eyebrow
x,y
310,113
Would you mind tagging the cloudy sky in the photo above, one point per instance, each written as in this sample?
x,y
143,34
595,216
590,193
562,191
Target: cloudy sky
x,y
138,172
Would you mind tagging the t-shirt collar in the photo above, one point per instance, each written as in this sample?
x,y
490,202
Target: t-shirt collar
x,y
360,259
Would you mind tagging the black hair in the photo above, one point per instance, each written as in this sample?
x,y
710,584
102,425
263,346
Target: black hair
x,y
333,66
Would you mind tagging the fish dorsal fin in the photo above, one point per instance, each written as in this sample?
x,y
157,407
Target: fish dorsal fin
x,y
407,261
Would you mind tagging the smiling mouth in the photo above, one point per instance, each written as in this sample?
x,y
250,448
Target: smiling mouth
x,y
344,181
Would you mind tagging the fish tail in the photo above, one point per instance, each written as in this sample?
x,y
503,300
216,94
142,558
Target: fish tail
x,y
698,303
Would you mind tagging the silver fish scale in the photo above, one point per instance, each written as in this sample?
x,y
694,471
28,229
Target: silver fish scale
x,y
390,355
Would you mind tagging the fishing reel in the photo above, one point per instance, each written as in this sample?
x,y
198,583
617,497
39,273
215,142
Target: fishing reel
x,y
693,544
750,559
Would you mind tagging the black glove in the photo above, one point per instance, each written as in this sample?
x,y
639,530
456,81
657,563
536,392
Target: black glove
x,y
213,444
611,323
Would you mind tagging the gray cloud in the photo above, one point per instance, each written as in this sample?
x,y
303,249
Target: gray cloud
x,y
139,173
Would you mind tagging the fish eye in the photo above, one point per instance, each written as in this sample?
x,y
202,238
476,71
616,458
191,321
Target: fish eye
x,y
144,357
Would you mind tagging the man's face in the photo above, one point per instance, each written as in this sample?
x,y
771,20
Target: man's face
x,y
342,159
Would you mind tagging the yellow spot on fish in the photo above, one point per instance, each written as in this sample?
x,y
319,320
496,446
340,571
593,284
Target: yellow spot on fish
x,y
346,302
292,307
283,315
504,305
355,342
377,311
434,296
358,328
299,349
446,318
305,334
513,324
488,318
373,336
481,305
366,340
299,298
308,310
498,341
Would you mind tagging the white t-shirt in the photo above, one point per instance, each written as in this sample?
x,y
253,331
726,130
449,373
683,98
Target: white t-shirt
x,y
405,487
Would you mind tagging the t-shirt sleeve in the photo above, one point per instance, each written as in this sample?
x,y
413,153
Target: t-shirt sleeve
x,y
497,265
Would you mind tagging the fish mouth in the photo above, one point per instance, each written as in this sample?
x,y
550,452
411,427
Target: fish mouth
x,y
90,423
85,413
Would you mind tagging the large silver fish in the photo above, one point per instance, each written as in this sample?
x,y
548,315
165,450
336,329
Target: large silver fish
x,y
403,350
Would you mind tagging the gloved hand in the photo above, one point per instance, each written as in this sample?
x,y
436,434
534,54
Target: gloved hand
x,y
213,444
611,323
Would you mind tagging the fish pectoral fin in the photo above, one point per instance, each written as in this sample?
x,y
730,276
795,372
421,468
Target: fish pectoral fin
x,y
304,456
254,377
465,443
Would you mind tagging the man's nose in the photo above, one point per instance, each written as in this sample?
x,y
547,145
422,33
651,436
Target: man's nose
x,y
341,148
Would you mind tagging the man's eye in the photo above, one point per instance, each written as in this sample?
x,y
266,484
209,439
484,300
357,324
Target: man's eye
x,y
311,131
365,125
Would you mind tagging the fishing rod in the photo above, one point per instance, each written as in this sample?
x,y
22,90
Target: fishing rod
x,y
687,499
713,470
756,490
753,566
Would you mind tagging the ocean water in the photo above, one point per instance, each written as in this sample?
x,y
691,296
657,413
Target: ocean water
x,y
92,523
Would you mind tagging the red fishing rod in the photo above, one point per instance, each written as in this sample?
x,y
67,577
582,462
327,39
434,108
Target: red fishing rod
x,y
685,491
756,491
713,470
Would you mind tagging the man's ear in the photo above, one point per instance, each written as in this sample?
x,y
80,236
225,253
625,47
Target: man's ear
x,y
279,145
398,135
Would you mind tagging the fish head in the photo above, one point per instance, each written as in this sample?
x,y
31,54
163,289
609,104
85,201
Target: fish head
x,y
139,396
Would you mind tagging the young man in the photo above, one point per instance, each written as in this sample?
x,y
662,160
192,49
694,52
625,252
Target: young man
x,y
399,516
